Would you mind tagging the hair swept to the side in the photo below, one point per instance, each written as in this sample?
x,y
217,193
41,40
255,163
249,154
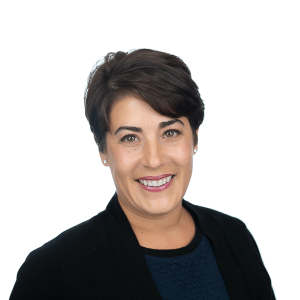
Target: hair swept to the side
x,y
162,80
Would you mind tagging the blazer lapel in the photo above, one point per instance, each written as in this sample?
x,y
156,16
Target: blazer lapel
x,y
232,274
127,253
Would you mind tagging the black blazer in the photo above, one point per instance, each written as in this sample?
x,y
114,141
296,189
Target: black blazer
x,y
102,259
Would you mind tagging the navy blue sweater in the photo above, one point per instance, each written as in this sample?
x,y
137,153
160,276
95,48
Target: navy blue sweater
x,y
187,273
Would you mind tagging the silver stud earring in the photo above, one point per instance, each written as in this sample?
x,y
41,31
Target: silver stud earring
x,y
105,161
195,151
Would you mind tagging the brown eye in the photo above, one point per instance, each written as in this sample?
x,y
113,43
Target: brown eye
x,y
128,138
172,133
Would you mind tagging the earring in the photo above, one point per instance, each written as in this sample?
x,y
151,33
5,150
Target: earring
x,y
195,151
105,161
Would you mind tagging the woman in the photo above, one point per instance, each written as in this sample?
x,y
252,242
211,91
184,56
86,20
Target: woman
x,y
145,110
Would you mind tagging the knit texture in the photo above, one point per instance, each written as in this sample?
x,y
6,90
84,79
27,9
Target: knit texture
x,y
188,273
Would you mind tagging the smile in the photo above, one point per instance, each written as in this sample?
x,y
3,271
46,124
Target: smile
x,y
156,185
156,182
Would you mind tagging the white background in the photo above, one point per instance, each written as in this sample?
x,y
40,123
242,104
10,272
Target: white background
x,y
244,56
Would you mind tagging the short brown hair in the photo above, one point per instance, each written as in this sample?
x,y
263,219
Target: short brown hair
x,y
162,80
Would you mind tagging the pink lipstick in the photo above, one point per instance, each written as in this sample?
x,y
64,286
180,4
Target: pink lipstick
x,y
156,188
155,177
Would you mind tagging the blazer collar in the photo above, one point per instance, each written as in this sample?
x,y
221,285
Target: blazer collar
x,y
128,254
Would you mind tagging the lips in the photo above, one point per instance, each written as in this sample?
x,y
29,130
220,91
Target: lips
x,y
152,186
154,177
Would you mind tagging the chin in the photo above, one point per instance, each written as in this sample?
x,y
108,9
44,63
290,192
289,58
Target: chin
x,y
157,203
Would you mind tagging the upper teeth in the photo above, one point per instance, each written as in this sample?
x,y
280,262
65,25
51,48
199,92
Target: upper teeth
x,y
156,183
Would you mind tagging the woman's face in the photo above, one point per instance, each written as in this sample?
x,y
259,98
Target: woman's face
x,y
148,149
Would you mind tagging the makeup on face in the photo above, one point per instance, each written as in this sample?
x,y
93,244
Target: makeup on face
x,y
156,183
150,156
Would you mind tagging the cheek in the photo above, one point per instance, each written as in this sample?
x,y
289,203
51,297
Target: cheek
x,y
123,162
183,155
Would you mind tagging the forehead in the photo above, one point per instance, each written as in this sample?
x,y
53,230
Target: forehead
x,y
133,111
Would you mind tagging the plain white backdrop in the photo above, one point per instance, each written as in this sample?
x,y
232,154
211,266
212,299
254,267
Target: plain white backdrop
x,y
244,56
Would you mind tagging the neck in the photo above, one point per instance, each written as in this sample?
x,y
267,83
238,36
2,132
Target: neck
x,y
156,226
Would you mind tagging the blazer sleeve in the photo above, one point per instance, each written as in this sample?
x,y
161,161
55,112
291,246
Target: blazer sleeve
x,y
40,277
257,250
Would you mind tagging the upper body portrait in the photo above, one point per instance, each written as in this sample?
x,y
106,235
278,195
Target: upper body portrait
x,y
145,111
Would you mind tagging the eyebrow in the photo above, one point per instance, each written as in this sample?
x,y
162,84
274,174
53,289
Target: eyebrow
x,y
160,126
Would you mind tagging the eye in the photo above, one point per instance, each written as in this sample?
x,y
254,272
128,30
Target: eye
x,y
129,138
172,133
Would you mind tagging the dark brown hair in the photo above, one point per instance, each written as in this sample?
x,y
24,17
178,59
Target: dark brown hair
x,y
162,80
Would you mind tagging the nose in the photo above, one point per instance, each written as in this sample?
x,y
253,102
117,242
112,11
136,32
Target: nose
x,y
153,154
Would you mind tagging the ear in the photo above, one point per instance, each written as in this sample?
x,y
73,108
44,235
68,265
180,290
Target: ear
x,y
196,147
103,157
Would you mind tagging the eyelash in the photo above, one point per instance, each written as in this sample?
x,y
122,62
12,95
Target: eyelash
x,y
123,139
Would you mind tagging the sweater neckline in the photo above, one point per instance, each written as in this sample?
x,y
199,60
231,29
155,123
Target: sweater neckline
x,y
180,251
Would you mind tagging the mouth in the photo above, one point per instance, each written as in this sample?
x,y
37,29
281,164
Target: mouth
x,y
156,183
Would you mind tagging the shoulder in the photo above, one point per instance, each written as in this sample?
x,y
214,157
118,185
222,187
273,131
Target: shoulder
x,y
222,219
76,243
218,223
226,230
40,276
44,273
79,235
214,216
